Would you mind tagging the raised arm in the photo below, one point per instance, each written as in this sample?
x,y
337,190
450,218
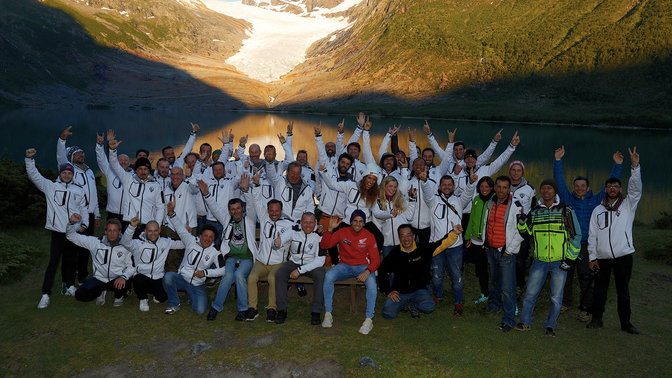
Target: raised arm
x,y
616,171
115,166
487,154
61,155
384,145
434,144
33,174
340,148
272,175
468,193
563,190
222,215
366,147
188,147
503,158
87,242
635,182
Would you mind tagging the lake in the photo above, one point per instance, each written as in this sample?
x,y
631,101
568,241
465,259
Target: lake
x,y
588,149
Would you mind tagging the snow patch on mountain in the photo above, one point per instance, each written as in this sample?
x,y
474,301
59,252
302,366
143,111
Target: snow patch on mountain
x,y
278,40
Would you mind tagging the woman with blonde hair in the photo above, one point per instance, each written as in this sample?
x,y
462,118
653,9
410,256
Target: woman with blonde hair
x,y
392,209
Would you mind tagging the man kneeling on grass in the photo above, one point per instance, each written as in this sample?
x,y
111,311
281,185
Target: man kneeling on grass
x,y
112,265
359,257
305,258
149,255
199,255
408,266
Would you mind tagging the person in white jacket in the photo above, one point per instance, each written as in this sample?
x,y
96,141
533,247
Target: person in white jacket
x,y
445,210
116,200
269,259
169,153
392,209
296,196
112,264
149,258
610,244
503,240
185,208
85,178
63,200
143,191
305,258
199,258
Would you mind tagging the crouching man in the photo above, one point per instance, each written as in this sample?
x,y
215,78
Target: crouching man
x,y
305,258
409,264
199,255
112,265
149,254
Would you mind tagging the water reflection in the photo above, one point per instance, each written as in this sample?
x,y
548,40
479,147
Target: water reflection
x,y
589,150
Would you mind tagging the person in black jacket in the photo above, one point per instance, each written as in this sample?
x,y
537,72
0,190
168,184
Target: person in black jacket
x,y
404,274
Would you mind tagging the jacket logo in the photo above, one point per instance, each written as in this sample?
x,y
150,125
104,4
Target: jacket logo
x,y
362,241
207,258
151,189
347,241
119,254
310,246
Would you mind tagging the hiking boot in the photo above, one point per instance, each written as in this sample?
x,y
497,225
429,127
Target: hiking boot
x,y
550,332
212,314
44,301
366,327
71,291
270,315
315,318
144,306
583,316
595,324
281,317
481,299
118,302
100,301
170,310
459,309
522,327
251,314
302,290
629,328
415,314
328,320
504,327
241,316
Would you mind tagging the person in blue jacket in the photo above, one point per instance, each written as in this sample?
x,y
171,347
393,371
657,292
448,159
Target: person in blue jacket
x,y
583,201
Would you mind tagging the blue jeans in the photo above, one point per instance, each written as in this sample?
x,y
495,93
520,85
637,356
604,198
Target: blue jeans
x,y
240,275
538,272
451,257
172,282
502,284
420,299
342,271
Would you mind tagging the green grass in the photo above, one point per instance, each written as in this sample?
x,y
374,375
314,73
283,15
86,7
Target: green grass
x,y
71,337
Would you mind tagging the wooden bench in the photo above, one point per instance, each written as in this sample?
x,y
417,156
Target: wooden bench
x,y
352,282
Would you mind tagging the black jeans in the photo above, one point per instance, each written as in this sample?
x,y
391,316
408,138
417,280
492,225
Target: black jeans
x,y
92,288
478,255
585,285
144,285
60,248
83,253
622,267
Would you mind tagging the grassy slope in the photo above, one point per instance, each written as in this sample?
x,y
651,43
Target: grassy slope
x,y
553,60
71,337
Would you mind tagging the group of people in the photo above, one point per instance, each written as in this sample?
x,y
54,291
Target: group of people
x,y
397,223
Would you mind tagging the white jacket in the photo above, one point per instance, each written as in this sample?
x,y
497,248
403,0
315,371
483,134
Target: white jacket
x,y
116,200
82,177
524,193
224,218
63,200
284,193
332,201
185,203
196,257
350,193
513,238
421,216
610,233
149,258
144,196
487,170
108,262
444,211
388,224
304,249
179,161
268,230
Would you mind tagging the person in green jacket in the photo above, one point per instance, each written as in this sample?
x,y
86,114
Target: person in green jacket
x,y
556,242
473,237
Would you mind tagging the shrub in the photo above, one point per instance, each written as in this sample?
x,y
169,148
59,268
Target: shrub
x,y
22,203
664,222
15,257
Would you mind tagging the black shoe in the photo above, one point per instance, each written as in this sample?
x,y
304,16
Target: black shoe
x,y
302,291
270,315
629,328
212,314
251,314
415,314
505,327
315,318
595,324
241,316
281,317
550,332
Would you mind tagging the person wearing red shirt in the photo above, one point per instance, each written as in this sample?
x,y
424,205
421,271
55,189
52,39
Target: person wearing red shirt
x,y
359,257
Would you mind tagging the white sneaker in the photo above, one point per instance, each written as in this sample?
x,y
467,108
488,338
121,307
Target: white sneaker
x,y
44,301
328,320
144,306
366,327
101,298
155,300
170,310
118,302
71,291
